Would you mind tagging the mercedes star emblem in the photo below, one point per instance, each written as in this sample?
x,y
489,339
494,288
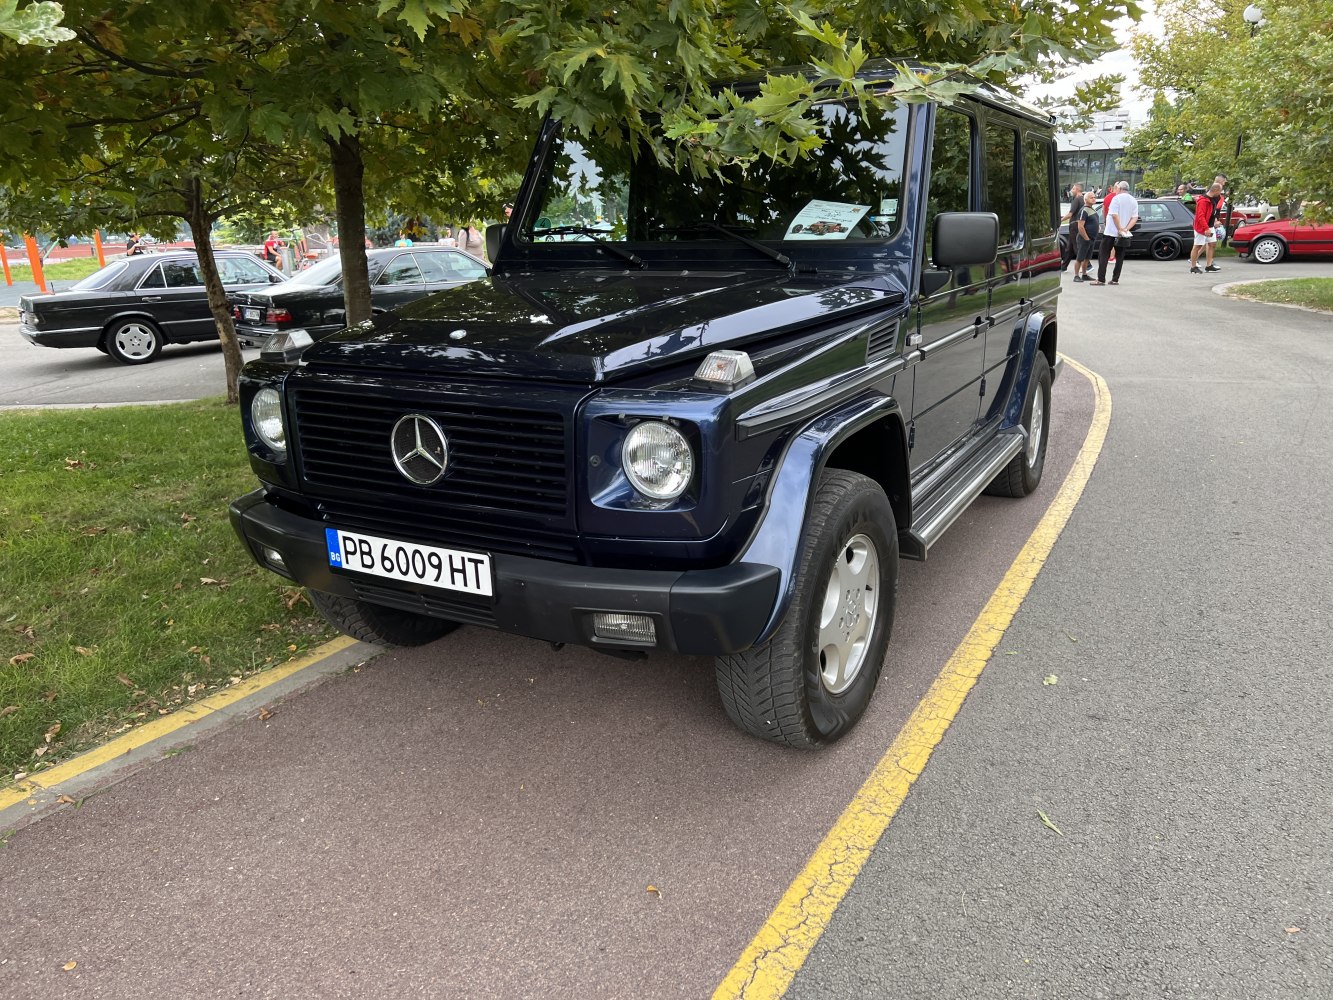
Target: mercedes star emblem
x,y
420,449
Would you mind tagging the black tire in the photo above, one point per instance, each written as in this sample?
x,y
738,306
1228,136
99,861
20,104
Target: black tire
x,y
378,624
1164,247
133,341
1023,473
778,691
1267,250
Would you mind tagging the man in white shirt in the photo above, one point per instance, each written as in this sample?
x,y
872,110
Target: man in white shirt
x,y
1121,218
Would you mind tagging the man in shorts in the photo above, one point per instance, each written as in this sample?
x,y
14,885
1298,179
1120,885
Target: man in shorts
x,y
1083,227
1205,237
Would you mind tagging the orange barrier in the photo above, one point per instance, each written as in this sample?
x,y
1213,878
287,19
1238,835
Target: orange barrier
x,y
35,259
97,243
4,259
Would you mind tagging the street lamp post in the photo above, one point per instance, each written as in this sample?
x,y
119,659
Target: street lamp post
x,y
1254,17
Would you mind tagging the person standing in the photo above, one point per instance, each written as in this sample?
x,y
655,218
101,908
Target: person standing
x,y
1086,225
1122,215
1205,236
133,246
1069,250
469,239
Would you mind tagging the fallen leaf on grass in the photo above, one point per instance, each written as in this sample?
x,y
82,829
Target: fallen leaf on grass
x,y
20,659
40,751
65,800
1046,821
8,710
70,966
208,580
85,651
125,680
73,463
655,891
49,696
187,518
53,732
1050,679
92,530
265,714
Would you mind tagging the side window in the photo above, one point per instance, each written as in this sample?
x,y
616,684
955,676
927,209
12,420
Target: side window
x,y
241,271
1001,179
1040,217
182,274
1154,213
153,279
434,267
950,168
462,267
402,270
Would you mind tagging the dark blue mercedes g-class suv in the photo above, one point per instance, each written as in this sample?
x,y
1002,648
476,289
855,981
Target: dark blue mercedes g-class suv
x,y
695,414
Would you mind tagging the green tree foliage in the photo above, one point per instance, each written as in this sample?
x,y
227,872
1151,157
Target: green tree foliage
x,y
437,100
1252,105
34,23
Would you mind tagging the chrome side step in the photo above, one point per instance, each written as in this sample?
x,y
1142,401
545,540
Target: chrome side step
x,y
933,518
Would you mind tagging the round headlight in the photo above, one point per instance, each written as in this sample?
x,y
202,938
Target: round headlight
x,y
266,416
658,460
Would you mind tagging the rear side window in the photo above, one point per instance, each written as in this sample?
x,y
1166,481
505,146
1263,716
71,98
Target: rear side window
x,y
1002,179
182,274
950,168
153,279
241,271
1037,162
1154,213
402,270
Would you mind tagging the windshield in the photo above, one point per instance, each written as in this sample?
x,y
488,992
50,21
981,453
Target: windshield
x,y
849,189
326,272
99,278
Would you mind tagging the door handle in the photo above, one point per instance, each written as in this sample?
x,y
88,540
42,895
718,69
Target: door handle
x,y
153,298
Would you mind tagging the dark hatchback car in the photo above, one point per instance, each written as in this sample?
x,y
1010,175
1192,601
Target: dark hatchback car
x,y
1164,232
313,299
133,306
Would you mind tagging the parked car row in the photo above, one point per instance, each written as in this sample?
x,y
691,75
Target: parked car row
x,y
134,306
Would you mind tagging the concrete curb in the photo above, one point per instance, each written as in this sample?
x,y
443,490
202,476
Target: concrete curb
x,y
40,795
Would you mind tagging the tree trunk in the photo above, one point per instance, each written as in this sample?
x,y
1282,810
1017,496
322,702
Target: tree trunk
x,y
350,194
201,227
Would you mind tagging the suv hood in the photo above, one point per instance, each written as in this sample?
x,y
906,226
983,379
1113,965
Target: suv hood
x,y
594,326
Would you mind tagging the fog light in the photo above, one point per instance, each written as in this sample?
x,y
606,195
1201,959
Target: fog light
x,y
632,628
274,558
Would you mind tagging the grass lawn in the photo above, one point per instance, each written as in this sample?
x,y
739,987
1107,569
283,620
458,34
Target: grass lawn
x,y
64,270
123,591
1313,293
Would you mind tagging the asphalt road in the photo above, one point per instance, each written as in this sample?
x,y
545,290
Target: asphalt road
x,y
482,817
47,376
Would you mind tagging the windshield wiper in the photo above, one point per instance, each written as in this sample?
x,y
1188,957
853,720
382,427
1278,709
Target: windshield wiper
x,y
596,236
767,251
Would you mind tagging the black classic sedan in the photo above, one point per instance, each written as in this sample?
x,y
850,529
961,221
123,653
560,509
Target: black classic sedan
x,y
1164,232
133,306
313,299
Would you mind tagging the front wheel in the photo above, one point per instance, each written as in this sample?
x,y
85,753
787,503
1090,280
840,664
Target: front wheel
x,y
810,683
378,624
133,341
1268,250
1023,473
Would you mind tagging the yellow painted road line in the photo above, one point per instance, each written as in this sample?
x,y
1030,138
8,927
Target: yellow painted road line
x,y
778,951
158,728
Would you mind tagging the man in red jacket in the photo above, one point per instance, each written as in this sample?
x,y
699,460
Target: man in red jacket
x,y
1205,214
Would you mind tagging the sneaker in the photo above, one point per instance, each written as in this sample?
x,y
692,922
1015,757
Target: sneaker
x,y
1212,267
1078,277
1196,270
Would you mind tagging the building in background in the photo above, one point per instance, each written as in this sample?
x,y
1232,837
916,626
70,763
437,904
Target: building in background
x,y
1092,157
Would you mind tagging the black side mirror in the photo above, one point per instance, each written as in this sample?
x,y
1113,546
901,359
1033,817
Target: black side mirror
x,y
494,234
273,279
965,239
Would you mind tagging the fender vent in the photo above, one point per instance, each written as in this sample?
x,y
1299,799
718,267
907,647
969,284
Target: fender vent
x,y
881,340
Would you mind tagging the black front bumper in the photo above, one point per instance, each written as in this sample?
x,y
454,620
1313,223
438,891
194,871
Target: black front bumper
x,y
708,611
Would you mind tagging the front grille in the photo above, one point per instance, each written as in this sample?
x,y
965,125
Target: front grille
x,y
433,604
506,488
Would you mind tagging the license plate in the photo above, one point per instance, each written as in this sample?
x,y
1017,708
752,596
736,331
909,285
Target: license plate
x,y
250,314
448,569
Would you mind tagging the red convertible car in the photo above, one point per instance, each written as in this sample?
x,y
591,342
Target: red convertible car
x,y
1270,242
